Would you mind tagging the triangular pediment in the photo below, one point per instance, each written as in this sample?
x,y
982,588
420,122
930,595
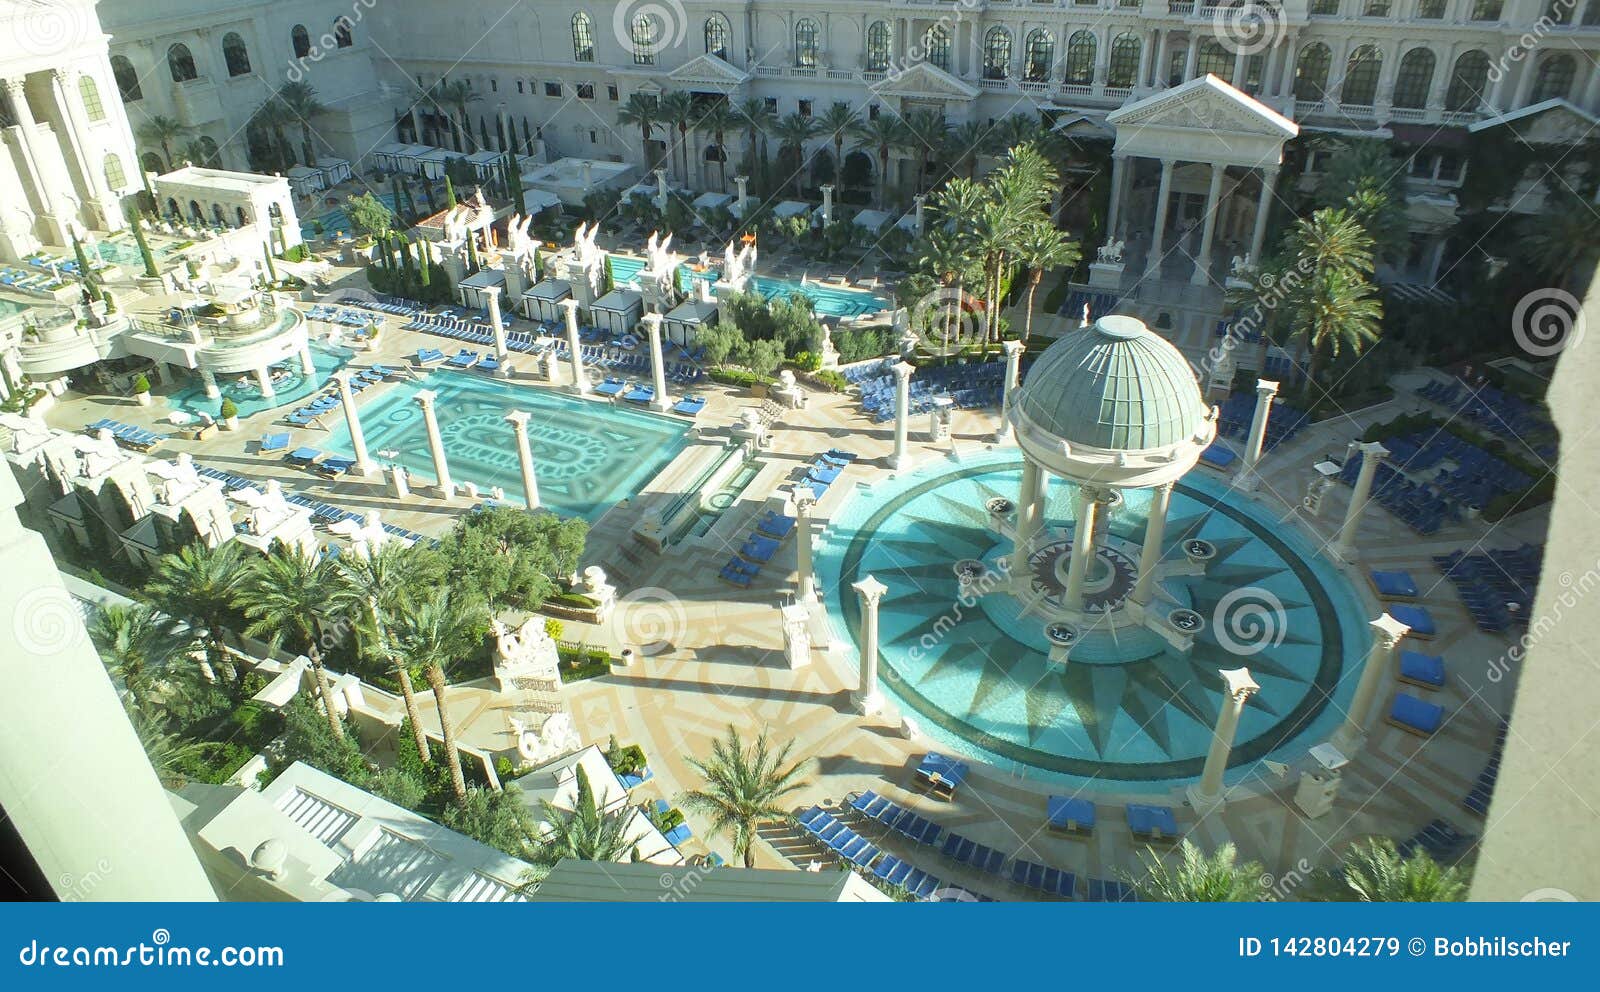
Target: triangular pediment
x,y
1206,103
926,81
1548,122
711,70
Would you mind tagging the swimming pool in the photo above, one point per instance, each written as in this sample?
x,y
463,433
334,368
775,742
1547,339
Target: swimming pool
x,y
827,301
335,221
246,394
10,308
587,455
1125,711
126,253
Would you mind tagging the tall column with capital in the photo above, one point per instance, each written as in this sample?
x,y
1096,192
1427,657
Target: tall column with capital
x,y
919,202
661,189
1119,175
1265,391
1155,531
902,411
1082,554
1269,182
867,699
1386,634
1371,454
743,183
1029,519
208,381
804,499
308,363
1206,795
1152,265
496,325
1013,350
580,381
64,86
1208,228
660,402
827,204
352,418
441,468
518,419
27,131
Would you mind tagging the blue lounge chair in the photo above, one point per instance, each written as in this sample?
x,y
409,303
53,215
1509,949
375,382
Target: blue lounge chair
x,y
331,467
943,774
775,525
275,442
429,356
759,549
735,575
611,387
1218,457
1393,585
489,363
301,418
1415,716
303,456
823,473
1152,822
463,359
1417,618
861,802
1108,890
689,405
640,394
1070,815
1425,671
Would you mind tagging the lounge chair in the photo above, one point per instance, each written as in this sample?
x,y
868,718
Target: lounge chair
x,y
1070,815
944,775
463,359
775,525
1156,823
429,356
1393,585
331,467
275,442
610,387
689,405
1108,890
303,457
640,394
1218,457
759,549
1417,618
1415,716
1425,671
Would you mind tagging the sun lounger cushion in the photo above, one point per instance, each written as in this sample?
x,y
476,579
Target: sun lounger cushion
x,y
1394,585
1422,669
1413,714
1417,618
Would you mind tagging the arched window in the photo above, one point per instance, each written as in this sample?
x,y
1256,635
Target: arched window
x,y
1487,10
343,32
1123,71
1467,82
937,42
1214,59
1311,73
1430,10
643,34
127,79
89,93
878,46
717,36
1361,77
582,37
151,162
242,217
1554,81
1415,76
1038,52
300,38
195,213
115,177
180,63
1080,57
805,43
997,54
210,154
235,55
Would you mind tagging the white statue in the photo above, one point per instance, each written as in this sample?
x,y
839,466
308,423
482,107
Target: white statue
x,y
555,737
583,245
1085,321
1110,253
455,227
737,266
1241,265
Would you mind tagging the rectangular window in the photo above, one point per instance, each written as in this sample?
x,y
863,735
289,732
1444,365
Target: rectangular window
x,y
585,91
611,93
772,103
805,108
1486,10
552,89
494,85
1377,8
872,112
1422,166
1325,8
594,139
1451,167
519,86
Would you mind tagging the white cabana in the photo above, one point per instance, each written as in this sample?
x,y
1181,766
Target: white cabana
x,y
305,181
472,287
542,300
790,208
408,158
485,163
684,321
538,200
334,171
711,201
872,220
388,156
431,163
908,223
618,312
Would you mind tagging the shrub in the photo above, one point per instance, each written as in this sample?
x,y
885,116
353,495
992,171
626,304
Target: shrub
x,y
294,253
228,409
807,361
628,760
553,627
141,384
833,379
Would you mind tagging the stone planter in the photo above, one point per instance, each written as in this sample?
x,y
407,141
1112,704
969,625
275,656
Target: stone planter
x,y
230,424
143,399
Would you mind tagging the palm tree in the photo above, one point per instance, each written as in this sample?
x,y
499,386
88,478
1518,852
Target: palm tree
x,y
924,137
436,630
142,650
880,135
385,580
456,96
1041,246
1197,878
641,112
743,787
947,258
290,594
162,132
270,118
792,133
300,100
201,586
1331,238
964,145
1340,310
758,123
1559,243
677,111
837,123
1374,871
585,832
717,121
169,754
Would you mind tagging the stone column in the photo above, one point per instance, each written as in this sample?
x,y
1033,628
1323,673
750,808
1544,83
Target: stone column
x,y
64,84
264,382
661,189
1208,227
1249,480
518,419
867,699
902,411
352,417
1238,687
308,364
1029,519
1386,634
1013,350
1269,182
16,88
804,499
1191,57
208,379
1152,265
492,294
441,468
1371,453
580,381
661,402
743,182
1088,509
1119,172
1155,530
827,204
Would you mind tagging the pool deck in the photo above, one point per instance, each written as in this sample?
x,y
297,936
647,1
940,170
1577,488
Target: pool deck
x,y
720,658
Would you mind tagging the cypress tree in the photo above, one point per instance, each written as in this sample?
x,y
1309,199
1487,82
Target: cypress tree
x,y
527,137
407,277
149,257
424,263
472,256
272,270
449,194
514,175
483,132
500,132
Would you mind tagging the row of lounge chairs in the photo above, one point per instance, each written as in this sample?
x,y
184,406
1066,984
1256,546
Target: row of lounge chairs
x,y
1239,409
321,512
964,386
1477,800
127,435
1497,587
771,531
1440,840
338,315
1492,408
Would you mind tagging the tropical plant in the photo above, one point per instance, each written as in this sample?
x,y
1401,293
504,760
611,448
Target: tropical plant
x,y
169,754
1374,871
965,145
880,135
270,119
717,121
143,650
923,138
676,109
758,119
641,111
583,833
201,585
162,131
1340,311
1559,242
369,215
1041,246
836,124
743,788
792,133
385,580
291,595
1198,878
453,97
438,630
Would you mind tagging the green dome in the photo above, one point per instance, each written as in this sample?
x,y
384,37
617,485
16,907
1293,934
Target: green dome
x,y
1115,385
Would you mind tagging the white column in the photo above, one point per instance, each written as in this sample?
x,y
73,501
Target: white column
x,y
1269,182
661,189
921,199
518,419
580,381
827,204
1191,56
1155,530
1238,687
1152,265
1029,519
1013,350
1119,173
65,86
1371,454
16,88
1386,634
902,411
867,699
208,379
352,417
492,294
1249,480
264,382
441,468
1208,227
804,498
308,365
743,182
660,402
1082,548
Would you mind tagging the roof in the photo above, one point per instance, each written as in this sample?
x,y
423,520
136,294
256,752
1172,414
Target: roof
x,y
693,311
619,301
590,881
1208,88
1116,385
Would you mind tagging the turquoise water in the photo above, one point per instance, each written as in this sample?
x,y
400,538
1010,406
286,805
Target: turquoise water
x,y
10,308
1125,711
336,220
126,253
828,302
587,455
246,394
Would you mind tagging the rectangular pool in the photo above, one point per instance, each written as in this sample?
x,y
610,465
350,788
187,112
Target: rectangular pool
x,y
292,386
826,301
588,455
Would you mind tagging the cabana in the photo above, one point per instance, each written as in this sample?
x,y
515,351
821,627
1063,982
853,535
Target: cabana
x,y
472,287
541,301
711,201
684,321
872,220
407,159
388,156
431,163
334,171
485,164
305,181
790,208
537,201
618,312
